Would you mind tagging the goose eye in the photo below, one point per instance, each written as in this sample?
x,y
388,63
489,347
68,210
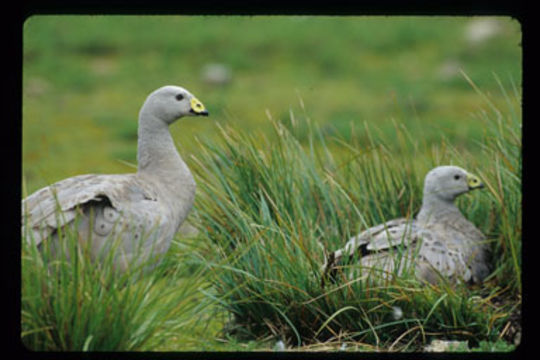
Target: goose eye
x,y
457,177
179,97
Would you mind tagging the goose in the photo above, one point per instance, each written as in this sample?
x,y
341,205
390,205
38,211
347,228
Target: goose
x,y
439,243
134,215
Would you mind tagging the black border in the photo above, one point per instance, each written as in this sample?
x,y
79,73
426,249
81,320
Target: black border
x,y
11,140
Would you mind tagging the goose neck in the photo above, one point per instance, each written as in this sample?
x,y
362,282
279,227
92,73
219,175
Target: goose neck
x,y
435,208
156,152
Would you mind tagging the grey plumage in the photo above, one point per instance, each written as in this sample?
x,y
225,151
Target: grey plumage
x,y
142,210
440,241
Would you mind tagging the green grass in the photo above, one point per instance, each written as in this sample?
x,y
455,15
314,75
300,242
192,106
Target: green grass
x,y
358,115
271,207
75,304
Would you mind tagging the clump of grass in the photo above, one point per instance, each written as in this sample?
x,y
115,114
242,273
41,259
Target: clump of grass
x,y
274,208
502,147
72,303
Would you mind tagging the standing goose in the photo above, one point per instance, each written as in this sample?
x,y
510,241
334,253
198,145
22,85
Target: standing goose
x,y
440,242
145,208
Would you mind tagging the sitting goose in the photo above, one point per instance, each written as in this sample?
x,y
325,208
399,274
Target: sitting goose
x,y
145,208
439,242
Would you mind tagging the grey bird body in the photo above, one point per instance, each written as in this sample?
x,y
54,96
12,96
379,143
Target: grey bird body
x,y
142,211
439,242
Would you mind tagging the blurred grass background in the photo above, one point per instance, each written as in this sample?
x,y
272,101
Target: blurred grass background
x,y
85,78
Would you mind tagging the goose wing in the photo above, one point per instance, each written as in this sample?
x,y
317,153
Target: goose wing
x,y
57,205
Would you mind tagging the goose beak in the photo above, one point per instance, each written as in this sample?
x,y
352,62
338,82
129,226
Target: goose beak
x,y
474,182
197,108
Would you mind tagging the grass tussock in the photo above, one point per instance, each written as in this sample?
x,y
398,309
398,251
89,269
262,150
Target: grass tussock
x,y
75,303
274,206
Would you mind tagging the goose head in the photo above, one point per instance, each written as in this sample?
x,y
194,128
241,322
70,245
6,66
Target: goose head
x,y
448,182
169,103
